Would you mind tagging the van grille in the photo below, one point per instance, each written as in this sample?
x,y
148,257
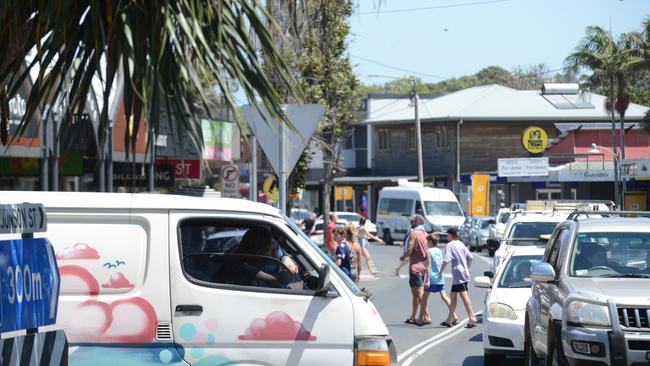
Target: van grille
x,y
163,331
636,318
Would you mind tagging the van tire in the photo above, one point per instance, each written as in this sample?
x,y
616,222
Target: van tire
x,y
388,239
492,360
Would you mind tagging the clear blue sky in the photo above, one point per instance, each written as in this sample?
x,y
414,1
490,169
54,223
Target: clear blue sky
x,y
457,41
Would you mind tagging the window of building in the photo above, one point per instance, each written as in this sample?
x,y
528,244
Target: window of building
x,y
411,139
384,139
441,138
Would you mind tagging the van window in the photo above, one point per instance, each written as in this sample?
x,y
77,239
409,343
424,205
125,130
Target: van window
x,y
395,205
236,253
442,208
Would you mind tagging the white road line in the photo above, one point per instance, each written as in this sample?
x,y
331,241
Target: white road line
x,y
422,347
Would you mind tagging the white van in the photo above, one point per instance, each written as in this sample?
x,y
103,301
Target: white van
x,y
158,279
439,207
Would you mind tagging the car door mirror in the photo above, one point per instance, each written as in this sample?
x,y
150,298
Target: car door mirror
x,y
488,274
493,244
323,283
482,282
542,272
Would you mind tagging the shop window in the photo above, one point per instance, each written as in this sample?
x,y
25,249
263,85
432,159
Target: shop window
x,y
384,139
411,142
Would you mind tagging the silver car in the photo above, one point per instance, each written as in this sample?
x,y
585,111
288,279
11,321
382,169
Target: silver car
x,y
590,302
480,233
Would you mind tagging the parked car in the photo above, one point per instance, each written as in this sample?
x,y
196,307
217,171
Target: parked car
x,y
465,229
317,231
299,214
354,218
497,231
589,303
505,305
479,233
439,207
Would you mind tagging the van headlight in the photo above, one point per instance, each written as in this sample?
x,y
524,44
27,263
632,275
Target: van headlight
x,y
375,351
584,313
502,311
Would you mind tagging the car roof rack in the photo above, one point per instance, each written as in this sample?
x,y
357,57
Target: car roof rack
x,y
575,215
567,205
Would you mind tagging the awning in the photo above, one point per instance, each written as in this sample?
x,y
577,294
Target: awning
x,y
367,179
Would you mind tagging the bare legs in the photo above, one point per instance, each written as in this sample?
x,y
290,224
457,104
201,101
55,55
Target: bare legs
x,y
416,293
368,258
451,318
424,306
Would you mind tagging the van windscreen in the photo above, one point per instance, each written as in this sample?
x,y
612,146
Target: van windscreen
x,y
438,208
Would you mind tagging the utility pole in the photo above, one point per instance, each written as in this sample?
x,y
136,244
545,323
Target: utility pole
x,y
418,130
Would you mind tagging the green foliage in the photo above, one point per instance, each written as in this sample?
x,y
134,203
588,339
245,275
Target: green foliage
x,y
165,48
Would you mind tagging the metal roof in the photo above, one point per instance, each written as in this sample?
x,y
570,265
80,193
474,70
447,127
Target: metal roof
x,y
569,127
492,103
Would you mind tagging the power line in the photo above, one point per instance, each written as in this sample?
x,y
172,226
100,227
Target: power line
x,y
406,10
399,68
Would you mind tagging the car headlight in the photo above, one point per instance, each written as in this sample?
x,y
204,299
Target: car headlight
x,y
503,311
584,313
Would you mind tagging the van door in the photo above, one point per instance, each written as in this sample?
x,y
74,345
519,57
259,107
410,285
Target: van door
x,y
226,311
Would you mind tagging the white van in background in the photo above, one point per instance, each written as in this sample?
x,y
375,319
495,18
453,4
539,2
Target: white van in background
x,y
149,279
439,207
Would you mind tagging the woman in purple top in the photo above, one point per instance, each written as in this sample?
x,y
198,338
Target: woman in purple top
x,y
461,259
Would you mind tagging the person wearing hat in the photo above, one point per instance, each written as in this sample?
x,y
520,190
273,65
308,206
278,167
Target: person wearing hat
x,y
461,259
417,252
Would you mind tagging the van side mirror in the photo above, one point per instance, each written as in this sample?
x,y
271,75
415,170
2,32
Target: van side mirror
x,y
323,283
542,272
545,237
493,244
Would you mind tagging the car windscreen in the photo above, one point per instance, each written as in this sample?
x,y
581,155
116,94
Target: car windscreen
x,y
351,217
611,254
485,224
442,208
531,230
517,271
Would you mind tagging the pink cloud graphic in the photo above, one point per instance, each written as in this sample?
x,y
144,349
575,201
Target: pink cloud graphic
x,y
78,251
130,320
277,326
118,280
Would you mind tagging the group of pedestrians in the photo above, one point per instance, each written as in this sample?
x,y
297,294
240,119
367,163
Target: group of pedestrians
x,y
348,245
426,273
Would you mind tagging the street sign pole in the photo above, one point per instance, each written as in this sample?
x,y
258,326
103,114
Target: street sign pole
x,y
252,175
282,203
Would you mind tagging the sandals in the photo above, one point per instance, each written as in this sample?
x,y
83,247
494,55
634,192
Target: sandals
x,y
470,325
410,321
445,324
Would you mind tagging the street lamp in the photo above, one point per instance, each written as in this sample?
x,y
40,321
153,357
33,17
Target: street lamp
x,y
618,198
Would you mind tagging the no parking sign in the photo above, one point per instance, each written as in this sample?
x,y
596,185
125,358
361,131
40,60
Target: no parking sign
x,y
230,181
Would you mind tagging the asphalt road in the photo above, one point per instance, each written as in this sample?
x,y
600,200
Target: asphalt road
x,y
429,344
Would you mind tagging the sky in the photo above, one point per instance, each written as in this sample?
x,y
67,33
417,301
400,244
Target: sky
x,y
459,37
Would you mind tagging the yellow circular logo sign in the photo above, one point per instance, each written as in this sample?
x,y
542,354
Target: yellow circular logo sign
x,y
535,140
271,188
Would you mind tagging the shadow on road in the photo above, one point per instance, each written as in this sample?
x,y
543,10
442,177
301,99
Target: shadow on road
x,y
477,338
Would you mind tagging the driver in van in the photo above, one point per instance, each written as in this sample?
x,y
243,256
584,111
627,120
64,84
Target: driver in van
x,y
258,241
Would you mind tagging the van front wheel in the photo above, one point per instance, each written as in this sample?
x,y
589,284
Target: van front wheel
x,y
388,239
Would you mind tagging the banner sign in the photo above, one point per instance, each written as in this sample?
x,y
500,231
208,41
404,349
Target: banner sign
x,y
22,219
217,139
29,278
568,175
480,195
523,167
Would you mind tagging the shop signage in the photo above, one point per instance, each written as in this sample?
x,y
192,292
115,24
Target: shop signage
x,y
585,175
534,140
523,167
136,175
230,181
183,168
635,168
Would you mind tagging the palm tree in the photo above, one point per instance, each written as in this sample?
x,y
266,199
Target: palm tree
x,y
164,49
611,62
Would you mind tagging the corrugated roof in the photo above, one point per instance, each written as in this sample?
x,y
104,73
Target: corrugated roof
x,y
491,102
568,127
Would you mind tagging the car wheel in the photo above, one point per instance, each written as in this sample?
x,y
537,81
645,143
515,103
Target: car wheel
x,y
555,354
478,246
388,239
492,360
471,248
530,357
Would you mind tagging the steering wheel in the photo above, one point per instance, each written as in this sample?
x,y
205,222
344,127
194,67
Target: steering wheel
x,y
604,268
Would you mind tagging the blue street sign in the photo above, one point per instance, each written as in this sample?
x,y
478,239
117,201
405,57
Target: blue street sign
x,y
29,284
